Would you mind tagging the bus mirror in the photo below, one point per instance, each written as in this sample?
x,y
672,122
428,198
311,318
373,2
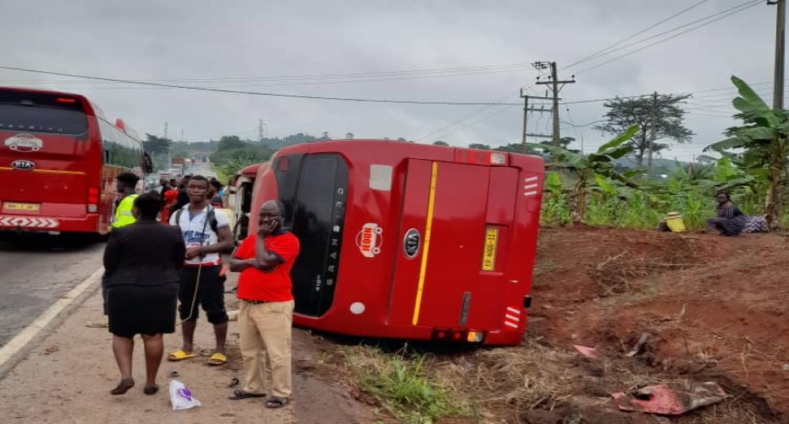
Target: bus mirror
x,y
147,164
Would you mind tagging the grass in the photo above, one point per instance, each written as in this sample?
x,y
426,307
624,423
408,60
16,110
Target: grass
x,y
220,175
405,385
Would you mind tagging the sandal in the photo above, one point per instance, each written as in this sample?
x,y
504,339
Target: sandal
x,y
240,394
149,391
276,402
123,386
180,355
217,359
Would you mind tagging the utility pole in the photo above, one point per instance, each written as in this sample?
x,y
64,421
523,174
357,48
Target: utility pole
x,y
780,53
555,88
653,128
526,110
165,129
260,130
182,134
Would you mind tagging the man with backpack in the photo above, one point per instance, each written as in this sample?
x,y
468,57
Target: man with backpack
x,y
207,234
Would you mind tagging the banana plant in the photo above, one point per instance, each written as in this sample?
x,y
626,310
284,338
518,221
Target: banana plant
x,y
765,140
588,169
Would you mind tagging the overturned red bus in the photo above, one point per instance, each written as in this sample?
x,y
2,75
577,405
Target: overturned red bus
x,y
409,241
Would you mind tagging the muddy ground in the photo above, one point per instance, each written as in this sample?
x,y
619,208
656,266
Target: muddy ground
x,y
708,309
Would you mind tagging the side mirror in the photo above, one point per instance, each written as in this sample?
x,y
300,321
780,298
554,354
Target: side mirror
x,y
147,163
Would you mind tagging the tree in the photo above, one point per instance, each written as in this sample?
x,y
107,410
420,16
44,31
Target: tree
x,y
765,138
564,143
479,146
349,136
598,166
660,117
516,148
156,145
440,143
229,142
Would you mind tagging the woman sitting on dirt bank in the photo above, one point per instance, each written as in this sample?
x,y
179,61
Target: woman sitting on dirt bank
x,y
732,222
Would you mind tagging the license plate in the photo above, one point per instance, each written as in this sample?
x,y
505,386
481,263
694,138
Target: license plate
x,y
21,207
489,251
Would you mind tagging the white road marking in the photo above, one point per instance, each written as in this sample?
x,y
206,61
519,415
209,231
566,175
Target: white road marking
x,y
31,331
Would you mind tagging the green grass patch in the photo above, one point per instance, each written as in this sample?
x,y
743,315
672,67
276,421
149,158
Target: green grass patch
x,y
405,385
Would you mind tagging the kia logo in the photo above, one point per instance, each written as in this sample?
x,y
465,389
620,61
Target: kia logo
x,y
24,165
411,243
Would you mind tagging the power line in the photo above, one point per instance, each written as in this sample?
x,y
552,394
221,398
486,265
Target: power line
x,y
603,51
726,13
257,93
310,77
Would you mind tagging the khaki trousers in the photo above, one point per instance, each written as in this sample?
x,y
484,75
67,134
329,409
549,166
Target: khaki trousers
x,y
265,332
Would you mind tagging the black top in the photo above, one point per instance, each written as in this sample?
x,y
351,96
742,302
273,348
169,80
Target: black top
x,y
146,253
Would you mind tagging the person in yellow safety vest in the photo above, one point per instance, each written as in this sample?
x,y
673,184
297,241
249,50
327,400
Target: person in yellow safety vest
x,y
126,185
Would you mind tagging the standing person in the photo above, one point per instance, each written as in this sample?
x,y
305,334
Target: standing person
x,y
206,234
141,262
183,194
216,198
266,311
170,195
126,186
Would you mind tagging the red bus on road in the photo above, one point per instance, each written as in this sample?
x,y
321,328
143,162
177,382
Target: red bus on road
x,y
409,241
59,157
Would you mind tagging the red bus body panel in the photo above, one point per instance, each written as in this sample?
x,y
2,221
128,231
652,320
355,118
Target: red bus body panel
x,y
412,259
69,175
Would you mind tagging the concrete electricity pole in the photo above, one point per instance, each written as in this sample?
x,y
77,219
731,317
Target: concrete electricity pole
x,y
780,53
555,88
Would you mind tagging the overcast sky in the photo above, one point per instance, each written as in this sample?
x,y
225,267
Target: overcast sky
x,y
436,50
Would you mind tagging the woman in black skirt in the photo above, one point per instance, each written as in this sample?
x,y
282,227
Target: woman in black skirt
x,y
142,262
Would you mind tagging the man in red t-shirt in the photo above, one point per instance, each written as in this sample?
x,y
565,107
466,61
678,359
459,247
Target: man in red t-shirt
x,y
266,310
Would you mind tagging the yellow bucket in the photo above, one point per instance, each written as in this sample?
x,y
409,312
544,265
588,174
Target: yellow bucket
x,y
675,223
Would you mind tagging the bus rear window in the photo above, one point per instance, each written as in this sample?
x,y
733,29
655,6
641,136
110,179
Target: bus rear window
x,y
36,112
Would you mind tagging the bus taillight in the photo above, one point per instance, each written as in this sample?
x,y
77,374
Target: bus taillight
x,y
93,200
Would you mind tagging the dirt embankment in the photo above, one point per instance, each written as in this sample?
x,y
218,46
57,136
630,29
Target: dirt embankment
x,y
709,308
688,308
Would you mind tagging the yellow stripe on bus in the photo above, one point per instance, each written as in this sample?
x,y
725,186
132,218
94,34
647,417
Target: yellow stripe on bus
x,y
431,203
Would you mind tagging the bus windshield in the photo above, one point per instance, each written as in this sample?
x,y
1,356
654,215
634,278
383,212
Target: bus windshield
x,y
47,113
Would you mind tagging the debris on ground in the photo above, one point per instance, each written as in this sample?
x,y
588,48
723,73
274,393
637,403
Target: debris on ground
x,y
586,351
664,400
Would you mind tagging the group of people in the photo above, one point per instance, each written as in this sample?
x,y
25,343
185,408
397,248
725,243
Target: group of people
x,y
175,196
156,273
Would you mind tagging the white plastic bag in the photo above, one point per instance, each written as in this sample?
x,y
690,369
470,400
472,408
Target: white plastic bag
x,y
181,397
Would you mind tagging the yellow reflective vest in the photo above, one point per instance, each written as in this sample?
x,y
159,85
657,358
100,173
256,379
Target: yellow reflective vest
x,y
123,213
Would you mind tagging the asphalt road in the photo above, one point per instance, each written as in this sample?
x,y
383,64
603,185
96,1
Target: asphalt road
x,y
33,275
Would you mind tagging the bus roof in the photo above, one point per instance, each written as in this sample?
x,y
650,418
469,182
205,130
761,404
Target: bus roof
x,y
90,107
401,149
250,171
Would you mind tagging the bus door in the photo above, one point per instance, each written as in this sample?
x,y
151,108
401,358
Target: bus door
x,y
454,230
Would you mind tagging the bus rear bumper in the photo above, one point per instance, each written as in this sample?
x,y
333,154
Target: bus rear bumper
x,y
47,224
464,336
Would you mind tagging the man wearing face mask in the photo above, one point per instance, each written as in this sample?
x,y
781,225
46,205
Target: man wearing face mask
x,y
266,309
